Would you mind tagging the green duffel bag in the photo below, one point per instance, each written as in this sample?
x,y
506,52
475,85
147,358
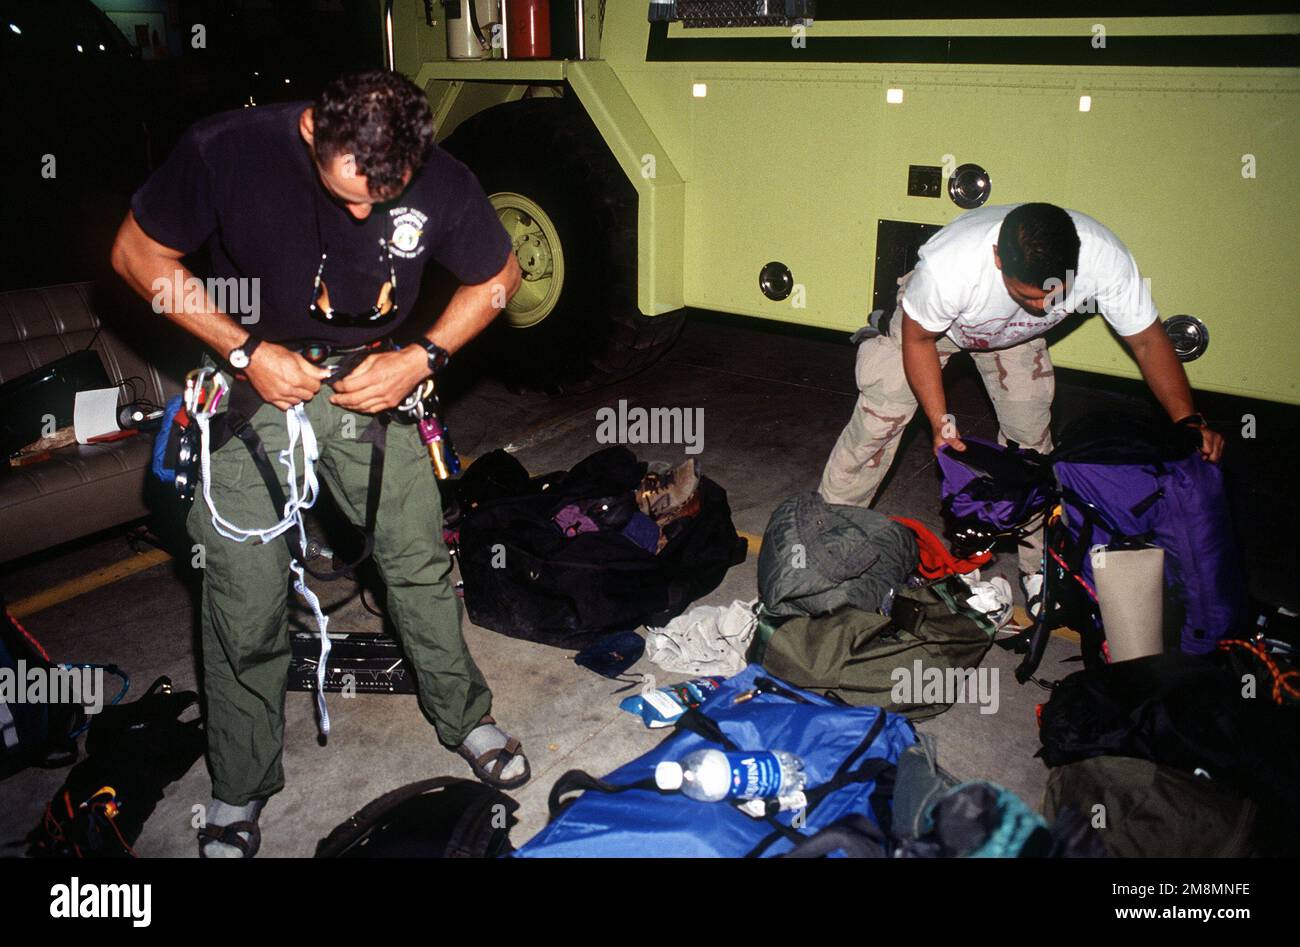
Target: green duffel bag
x,y
818,556
917,661
1153,811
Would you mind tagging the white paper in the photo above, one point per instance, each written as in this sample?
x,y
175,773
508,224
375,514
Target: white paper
x,y
94,413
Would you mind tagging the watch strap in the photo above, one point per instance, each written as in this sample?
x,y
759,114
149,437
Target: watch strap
x,y
438,356
248,347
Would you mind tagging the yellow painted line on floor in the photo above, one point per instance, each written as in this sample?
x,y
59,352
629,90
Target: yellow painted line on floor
x,y
128,567
147,560
88,583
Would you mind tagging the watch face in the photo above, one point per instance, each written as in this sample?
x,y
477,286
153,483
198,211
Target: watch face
x,y
438,357
238,359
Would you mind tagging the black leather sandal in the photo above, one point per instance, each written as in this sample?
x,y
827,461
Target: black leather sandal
x,y
229,835
489,767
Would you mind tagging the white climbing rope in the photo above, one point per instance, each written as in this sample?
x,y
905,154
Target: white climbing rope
x,y
205,388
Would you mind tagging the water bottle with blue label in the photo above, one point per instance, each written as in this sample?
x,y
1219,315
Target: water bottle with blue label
x,y
714,775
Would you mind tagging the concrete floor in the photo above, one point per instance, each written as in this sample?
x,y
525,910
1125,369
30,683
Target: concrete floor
x,y
774,400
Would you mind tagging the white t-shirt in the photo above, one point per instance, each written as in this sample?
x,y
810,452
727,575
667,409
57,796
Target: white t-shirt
x,y
956,288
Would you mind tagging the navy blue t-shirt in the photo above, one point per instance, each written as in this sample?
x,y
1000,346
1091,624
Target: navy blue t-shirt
x,y
244,184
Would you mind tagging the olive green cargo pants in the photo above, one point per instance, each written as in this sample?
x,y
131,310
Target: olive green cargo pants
x,y
1020,381
246,586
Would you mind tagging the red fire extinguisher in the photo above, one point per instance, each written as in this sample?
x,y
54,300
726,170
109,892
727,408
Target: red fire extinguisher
x,y
528,29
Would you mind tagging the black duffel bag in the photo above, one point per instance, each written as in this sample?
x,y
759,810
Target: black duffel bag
x,y
134,751
523,577
1192,714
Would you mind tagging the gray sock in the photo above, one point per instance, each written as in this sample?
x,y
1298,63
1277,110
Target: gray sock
x,y
488,736
223,813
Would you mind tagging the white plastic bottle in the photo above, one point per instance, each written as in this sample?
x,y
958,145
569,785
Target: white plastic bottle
x,y
714,775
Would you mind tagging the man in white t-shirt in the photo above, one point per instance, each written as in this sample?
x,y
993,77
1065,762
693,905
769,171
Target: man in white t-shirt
x,y
993,282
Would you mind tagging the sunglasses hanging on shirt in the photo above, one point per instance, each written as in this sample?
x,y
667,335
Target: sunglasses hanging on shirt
x,y
381,313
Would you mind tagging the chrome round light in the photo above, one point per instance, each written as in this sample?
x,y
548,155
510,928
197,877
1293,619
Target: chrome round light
x,y
1189,335
969,186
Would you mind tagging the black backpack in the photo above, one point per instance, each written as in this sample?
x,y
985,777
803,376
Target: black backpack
x,y
133,752
32,734
435,818
524,578
1187,713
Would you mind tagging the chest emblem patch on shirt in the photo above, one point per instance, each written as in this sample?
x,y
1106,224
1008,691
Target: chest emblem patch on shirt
x,y
408,232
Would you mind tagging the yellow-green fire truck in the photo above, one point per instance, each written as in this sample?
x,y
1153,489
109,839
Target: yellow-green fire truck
x,y
784,159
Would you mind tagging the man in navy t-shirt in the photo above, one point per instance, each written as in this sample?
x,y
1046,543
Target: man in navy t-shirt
x,y
319,219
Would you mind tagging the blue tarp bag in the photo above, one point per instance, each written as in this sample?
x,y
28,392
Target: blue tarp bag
x,y
849,756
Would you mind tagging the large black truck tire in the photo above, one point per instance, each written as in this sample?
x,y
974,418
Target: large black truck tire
x,y
571,213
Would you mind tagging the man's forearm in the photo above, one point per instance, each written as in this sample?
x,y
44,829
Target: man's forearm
x,y
1163,372
469,313
147,267
472,308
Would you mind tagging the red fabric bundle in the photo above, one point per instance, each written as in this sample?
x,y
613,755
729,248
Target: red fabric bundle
x,y
936,560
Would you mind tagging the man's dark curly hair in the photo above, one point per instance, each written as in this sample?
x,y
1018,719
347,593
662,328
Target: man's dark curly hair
x,y
1038,243
379,117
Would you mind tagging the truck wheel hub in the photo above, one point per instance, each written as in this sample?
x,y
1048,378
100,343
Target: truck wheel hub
x,y
534,255
537,248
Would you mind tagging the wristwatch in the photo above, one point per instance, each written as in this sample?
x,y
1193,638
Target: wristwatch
x,y
438,356
240,356
1192,420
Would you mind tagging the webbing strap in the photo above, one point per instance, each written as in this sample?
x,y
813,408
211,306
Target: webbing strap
x,y
376,433
906,614
854,835
576,780
705,727
243,405
878,769
1039,633
580,781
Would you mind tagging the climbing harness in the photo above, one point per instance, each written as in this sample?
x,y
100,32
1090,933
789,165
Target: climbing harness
x,y
207,389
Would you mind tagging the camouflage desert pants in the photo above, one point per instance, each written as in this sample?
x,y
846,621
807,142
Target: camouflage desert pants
x,y
1020,381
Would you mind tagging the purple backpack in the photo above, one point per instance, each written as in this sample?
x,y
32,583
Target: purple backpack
x,y
1134,481
990,492
1119,480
